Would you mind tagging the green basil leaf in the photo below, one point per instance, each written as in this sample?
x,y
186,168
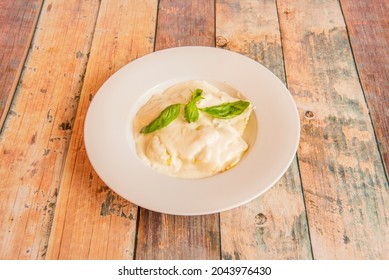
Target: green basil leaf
x,y
227,110
196,95
168,115
191,111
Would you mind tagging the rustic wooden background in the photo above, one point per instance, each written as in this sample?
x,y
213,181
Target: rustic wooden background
x,y
332,203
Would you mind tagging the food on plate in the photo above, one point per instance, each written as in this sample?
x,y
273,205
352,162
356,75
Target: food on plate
x,y
192,130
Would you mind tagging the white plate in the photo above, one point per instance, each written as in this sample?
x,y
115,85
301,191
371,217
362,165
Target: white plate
x,y
111,150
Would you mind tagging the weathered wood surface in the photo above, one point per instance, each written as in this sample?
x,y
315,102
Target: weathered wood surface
x,y
36,133
273,226
368,27
162,236
345,189
42,155
17,25
91,221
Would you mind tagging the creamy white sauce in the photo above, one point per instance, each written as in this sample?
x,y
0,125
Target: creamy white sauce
x,y
191,150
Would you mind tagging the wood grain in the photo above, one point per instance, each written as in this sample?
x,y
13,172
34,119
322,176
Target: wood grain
x,y
273,226
185,23
368,27
17,25
163,236
36,134
91,221
345,189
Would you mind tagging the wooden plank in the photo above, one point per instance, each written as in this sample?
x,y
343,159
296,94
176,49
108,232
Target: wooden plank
x,y
36,134
345,189
185,23
91,221
273,226
167,237
17,25
368,27
163,236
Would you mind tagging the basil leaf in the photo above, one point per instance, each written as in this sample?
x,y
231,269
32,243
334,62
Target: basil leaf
x,y
191,111
196,95
168,115
227,110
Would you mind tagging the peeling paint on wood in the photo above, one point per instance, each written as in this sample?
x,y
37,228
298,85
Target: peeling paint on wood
x,y
346,192
273,226
91,221
116,205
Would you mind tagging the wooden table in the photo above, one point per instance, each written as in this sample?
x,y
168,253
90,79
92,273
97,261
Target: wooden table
x,y
332,203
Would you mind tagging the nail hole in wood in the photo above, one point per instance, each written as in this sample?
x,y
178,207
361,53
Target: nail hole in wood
x,y
221,41
309,114
260,219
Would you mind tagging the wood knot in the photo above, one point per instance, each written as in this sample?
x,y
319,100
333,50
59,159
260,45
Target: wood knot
x,y
309,114
221,41
260,219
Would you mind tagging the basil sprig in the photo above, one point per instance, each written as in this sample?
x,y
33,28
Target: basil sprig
x,y
191,110
227,110
168,115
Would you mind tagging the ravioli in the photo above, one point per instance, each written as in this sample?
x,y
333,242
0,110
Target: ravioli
x,y
191,150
